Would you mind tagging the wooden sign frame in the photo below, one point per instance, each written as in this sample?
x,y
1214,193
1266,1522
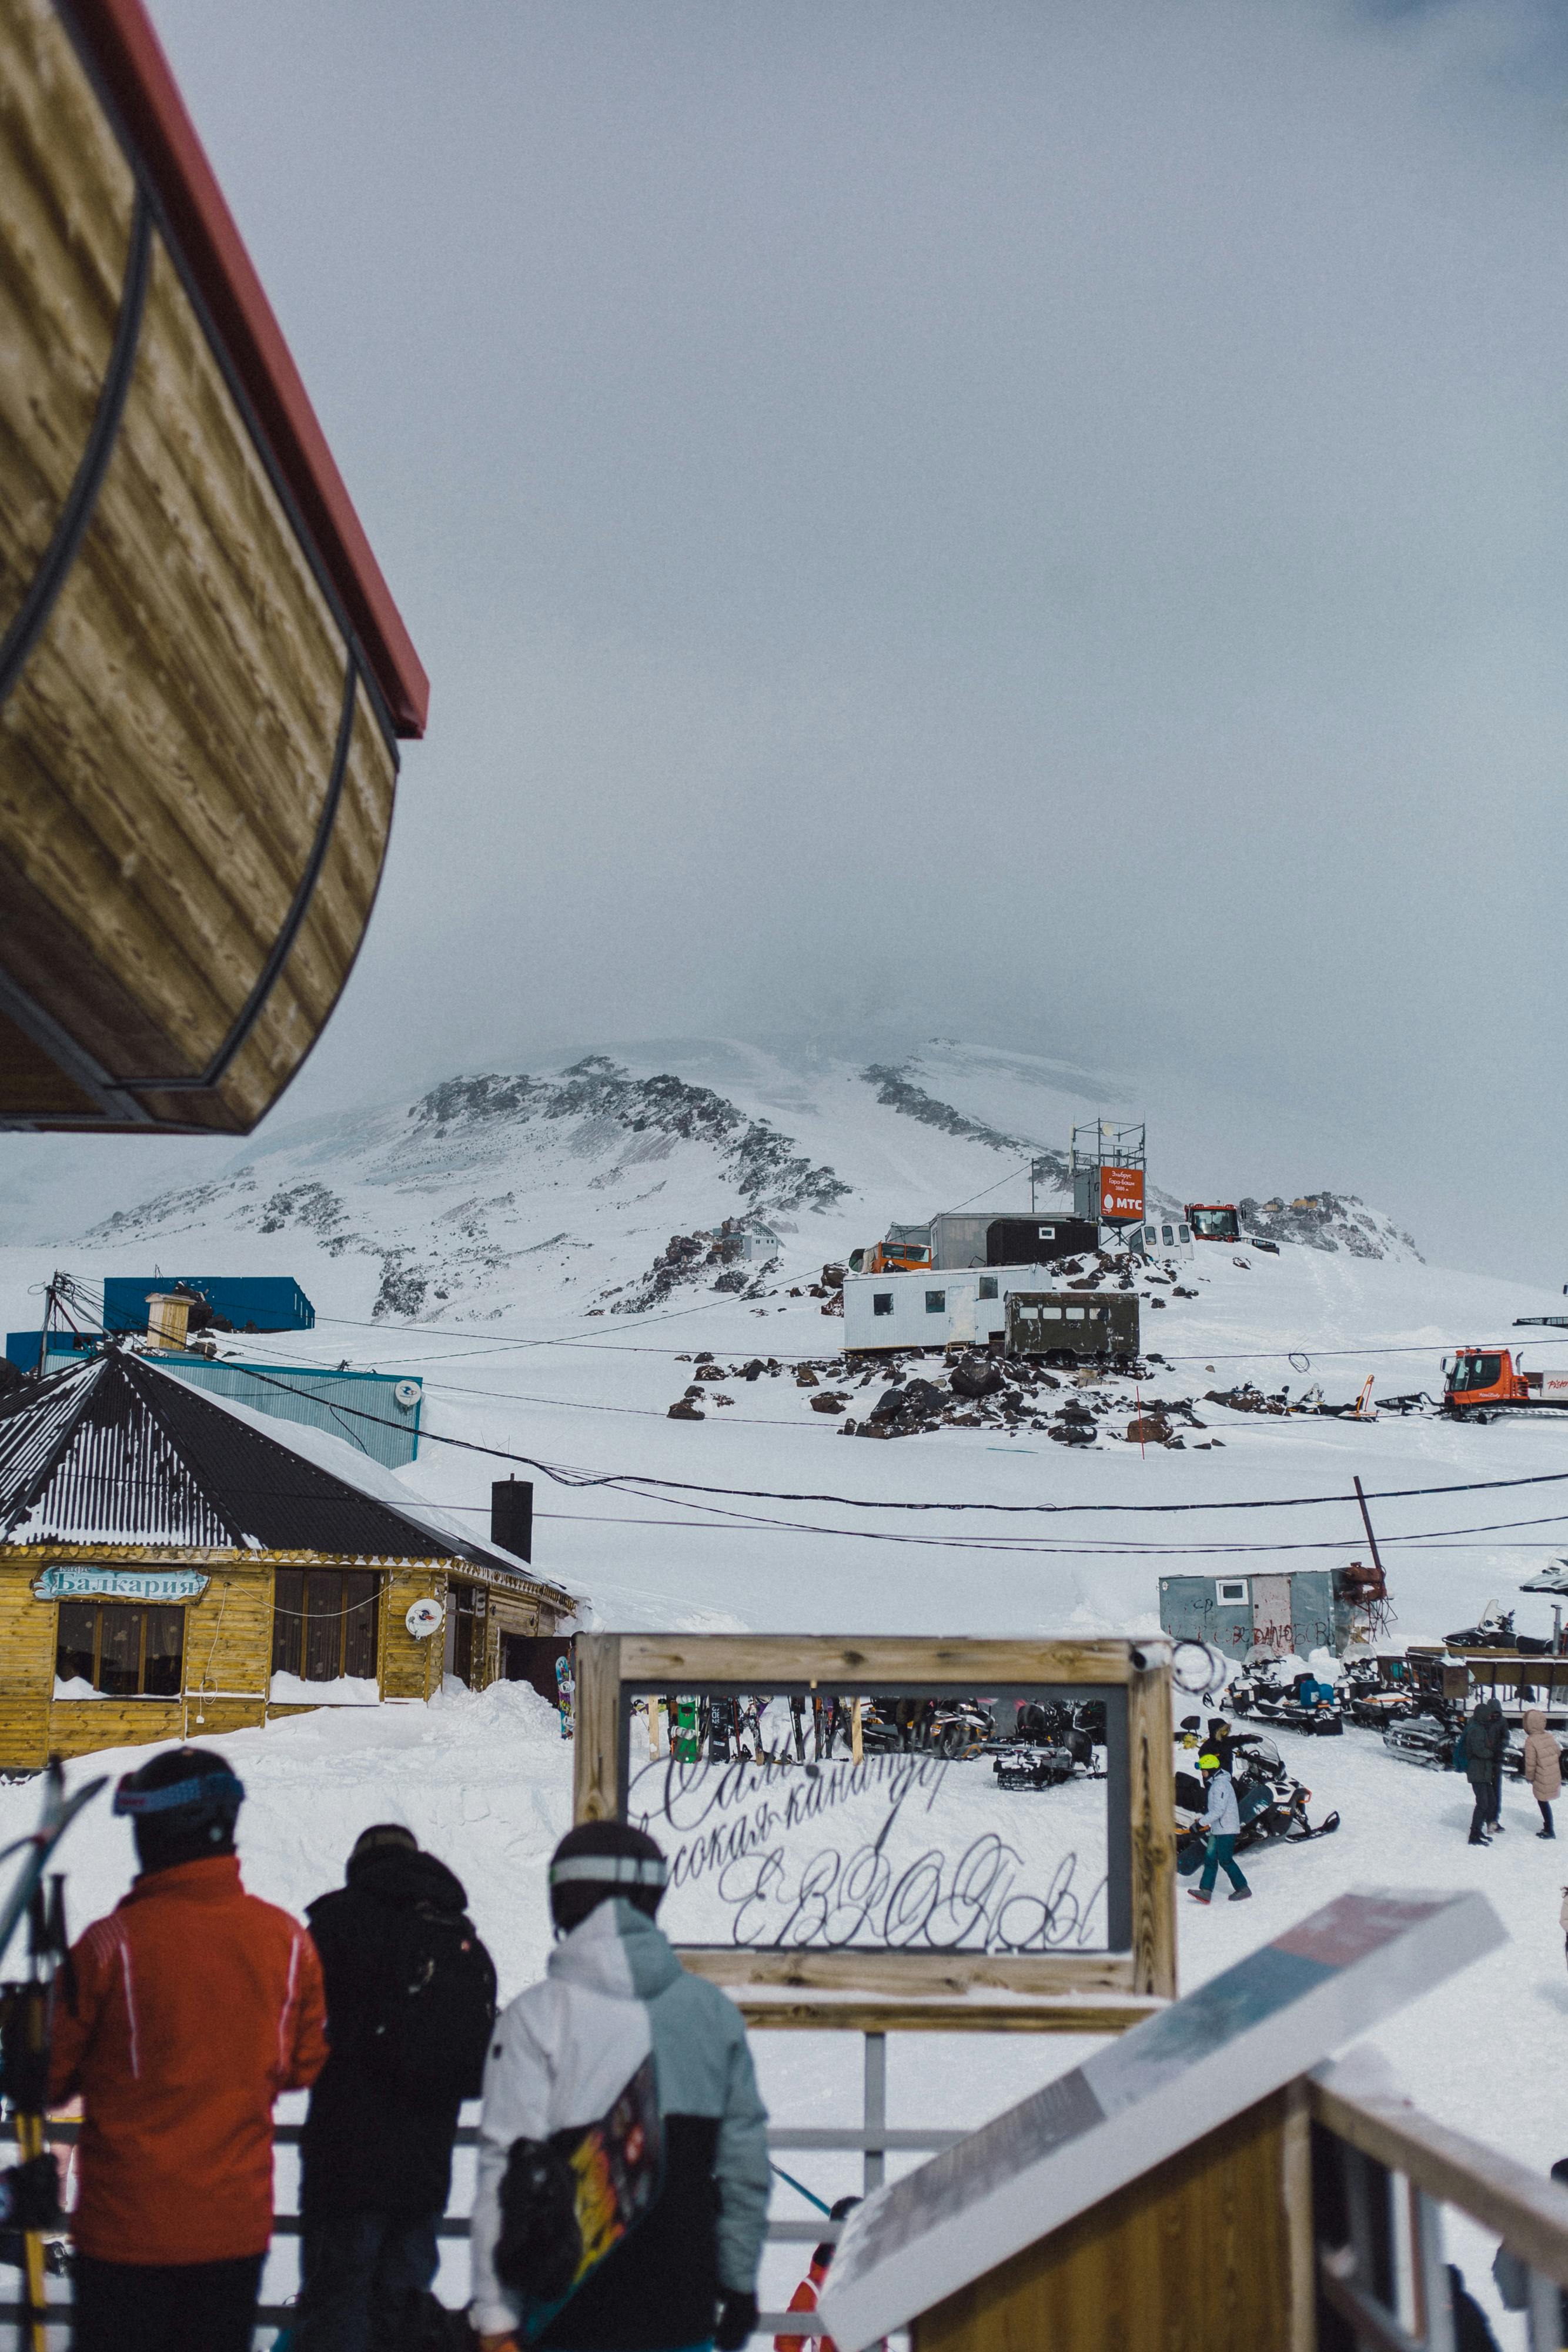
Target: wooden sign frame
x,y
1133,1678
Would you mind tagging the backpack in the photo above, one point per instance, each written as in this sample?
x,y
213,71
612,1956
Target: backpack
x,y
431,2033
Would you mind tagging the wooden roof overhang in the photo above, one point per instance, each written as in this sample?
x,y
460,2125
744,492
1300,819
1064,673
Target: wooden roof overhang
x,y
203,674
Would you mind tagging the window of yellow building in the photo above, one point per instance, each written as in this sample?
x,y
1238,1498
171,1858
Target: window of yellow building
x,y
120,1650
324,1624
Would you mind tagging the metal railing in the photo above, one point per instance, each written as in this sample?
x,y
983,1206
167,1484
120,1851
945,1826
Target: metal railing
x,y
1382,2173
871,2139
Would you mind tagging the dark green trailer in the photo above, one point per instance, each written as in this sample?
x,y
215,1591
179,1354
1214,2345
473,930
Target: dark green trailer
x,y
1074,1327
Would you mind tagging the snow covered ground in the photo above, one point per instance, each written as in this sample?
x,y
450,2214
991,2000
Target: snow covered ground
x,y
485,1781
537,1222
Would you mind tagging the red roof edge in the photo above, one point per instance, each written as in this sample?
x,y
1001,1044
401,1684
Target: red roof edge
x,y
122,44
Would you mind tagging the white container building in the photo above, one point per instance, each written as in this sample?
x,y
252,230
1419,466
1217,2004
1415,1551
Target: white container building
x,y
1167,1238
927,1309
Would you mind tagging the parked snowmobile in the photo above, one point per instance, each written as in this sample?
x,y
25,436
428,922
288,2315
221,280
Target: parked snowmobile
x,y
1425,1739
1496,1632
1374,1708
960,1727
1035,1768
1271,1801
1297,1702
1379,1690
1053,1743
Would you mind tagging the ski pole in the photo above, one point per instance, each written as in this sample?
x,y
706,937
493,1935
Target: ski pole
x,y
30,2092
800,2185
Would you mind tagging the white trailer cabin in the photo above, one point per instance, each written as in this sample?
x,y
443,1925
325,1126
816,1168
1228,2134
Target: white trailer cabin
x,y
1168,1239
927,1309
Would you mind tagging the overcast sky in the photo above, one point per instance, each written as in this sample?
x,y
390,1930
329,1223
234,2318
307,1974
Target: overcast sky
x,y
1045,521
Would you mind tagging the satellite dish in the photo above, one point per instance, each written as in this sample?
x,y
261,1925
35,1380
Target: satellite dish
x,y
406,1393
424,1618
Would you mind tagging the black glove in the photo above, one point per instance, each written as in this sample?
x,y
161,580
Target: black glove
x,y
736,2321
30,2195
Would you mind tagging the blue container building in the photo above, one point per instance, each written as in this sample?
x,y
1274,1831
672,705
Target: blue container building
x,y
250,1302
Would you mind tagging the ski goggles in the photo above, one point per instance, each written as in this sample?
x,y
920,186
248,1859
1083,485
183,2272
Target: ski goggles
x,y
203,1788
609,1870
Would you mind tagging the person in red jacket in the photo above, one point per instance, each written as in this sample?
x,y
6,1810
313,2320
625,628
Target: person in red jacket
x,y
195,2005
808,2294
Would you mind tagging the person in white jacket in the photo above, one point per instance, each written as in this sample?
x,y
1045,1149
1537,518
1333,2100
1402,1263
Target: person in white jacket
x,y
1223,1822
563,2053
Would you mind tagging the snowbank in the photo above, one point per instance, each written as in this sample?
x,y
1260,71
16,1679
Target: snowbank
x,y
483,1781
344,1690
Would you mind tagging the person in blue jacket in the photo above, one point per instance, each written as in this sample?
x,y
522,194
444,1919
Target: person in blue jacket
x,y
1223,1822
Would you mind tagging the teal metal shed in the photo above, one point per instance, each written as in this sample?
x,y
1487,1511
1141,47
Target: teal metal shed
x,y
377,1413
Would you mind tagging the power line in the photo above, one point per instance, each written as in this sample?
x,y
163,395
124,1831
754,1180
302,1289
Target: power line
x,y
503,1342
636,1478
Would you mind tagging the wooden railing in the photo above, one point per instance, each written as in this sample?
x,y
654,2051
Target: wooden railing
x,y
1382,2173
873,2139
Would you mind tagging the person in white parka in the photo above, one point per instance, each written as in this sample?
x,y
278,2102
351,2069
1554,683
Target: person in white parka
x,y
563,2052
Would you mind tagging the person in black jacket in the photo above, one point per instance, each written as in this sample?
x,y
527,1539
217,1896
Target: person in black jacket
x,y
1485,1735
376,2150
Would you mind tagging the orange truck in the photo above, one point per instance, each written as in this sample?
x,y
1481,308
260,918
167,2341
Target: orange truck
x,y
905,1249
1214,1220
1480,1383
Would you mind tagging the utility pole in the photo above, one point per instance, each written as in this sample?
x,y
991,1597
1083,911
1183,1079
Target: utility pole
x,y
1366,1523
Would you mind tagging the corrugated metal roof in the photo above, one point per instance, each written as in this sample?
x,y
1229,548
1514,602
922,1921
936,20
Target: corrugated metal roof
x,y
115,1450
33,1423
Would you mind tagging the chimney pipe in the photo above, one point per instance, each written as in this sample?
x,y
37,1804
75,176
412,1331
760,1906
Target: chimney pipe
x,y
512,1516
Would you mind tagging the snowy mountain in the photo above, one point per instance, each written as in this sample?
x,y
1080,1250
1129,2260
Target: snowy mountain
x,y
597,1186
508,1233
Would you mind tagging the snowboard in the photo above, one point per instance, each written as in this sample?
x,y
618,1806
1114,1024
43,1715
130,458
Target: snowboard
x,y
618,2165
59,1811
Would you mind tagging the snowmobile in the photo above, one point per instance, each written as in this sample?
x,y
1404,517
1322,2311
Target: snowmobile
x,y
1296,1703
1053,1743
1495,1631
1051,1723
1425,1739
949,1727
1376,1692
1374,1708
1035,1768
1271,1801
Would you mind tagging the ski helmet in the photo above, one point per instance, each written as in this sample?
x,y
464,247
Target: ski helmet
x,y
1209,1761
383,1834
182,1806
841,2207
600,1859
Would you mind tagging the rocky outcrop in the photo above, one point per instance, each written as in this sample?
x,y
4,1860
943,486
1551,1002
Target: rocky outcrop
x,y
1327,1221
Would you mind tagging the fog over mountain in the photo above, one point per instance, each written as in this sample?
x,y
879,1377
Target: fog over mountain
x,y
1037,526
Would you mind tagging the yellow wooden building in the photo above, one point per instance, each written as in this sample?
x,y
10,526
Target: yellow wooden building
x,y
169,1570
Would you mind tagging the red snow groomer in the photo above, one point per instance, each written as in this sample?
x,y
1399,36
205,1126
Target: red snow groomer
x,y
1478,1383
1214,1220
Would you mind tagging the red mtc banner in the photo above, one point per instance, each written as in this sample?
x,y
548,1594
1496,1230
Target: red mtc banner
x,y
1122,1194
